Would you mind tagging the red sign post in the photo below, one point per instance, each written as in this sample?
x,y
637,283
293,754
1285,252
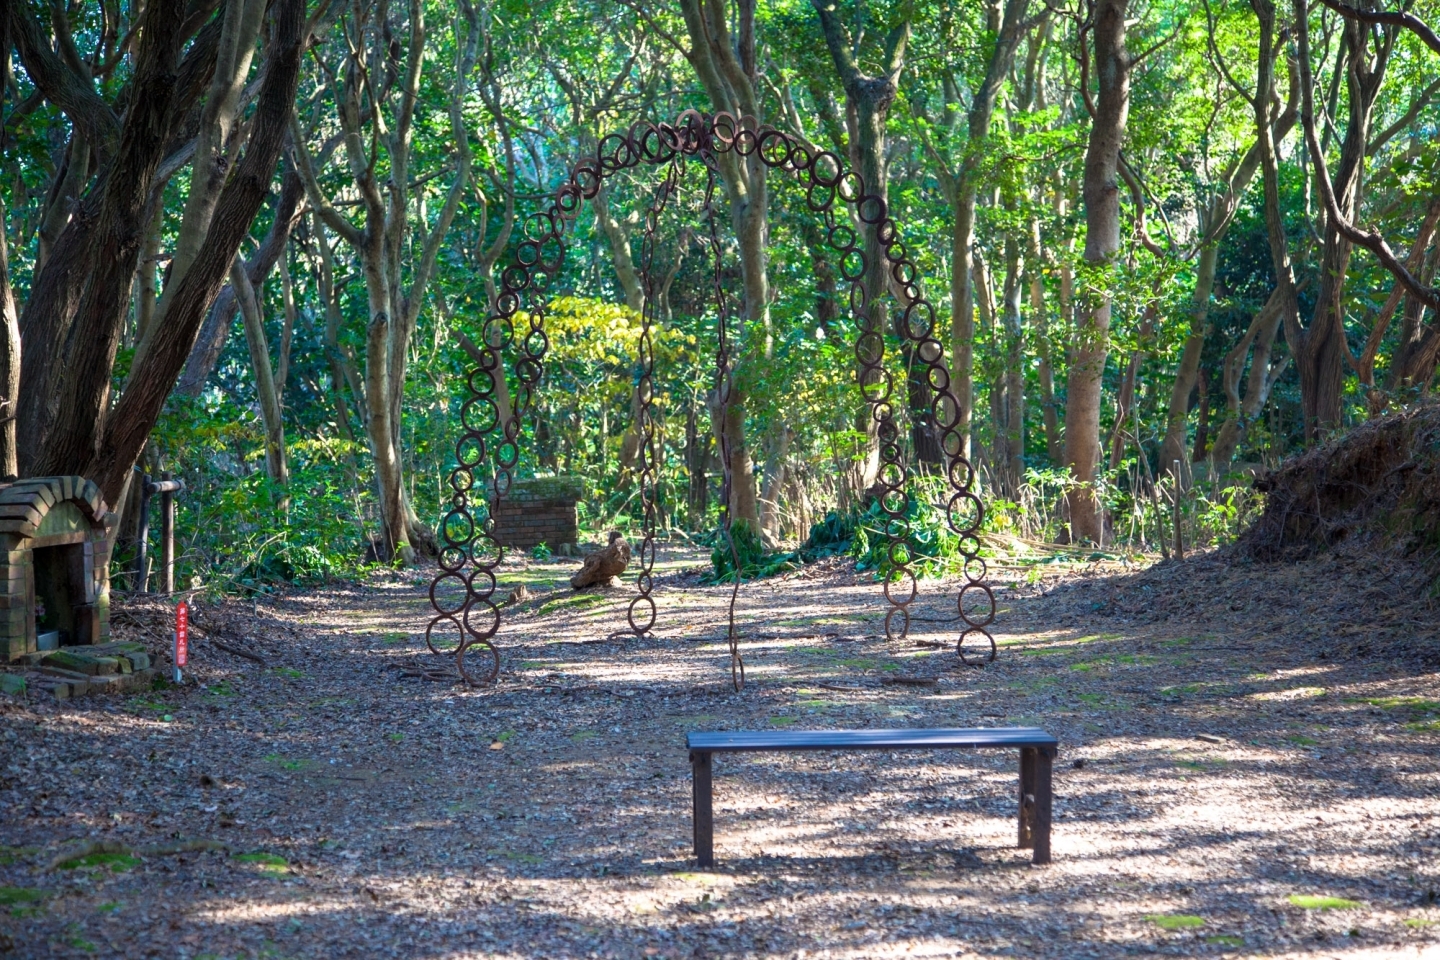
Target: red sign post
x,y
182,638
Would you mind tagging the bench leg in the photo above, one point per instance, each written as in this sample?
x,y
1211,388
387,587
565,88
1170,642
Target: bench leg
x,y
1040,823
1028,765
704,818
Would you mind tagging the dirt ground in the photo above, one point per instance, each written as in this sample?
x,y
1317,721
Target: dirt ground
x,y
1231,745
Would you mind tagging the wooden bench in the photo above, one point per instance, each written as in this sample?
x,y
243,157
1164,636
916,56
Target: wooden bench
x,y
1037,754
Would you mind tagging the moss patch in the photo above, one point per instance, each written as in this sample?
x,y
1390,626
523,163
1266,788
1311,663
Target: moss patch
x,y
1175,921
1312,902
267,862
115,862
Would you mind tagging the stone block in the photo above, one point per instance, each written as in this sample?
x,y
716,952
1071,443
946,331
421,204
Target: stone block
x,y
12,684
64,689
110,684
61,672
20,511
86,663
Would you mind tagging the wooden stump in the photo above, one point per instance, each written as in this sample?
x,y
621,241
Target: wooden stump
x,y
603,565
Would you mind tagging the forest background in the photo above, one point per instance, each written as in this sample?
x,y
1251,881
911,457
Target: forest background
x,y
253,244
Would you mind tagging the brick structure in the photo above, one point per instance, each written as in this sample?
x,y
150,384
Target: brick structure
x,y
538,511
55,589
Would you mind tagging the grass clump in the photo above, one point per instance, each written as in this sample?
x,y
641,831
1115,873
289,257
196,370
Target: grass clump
x,y
267,862
1307,901
116,862
1175,921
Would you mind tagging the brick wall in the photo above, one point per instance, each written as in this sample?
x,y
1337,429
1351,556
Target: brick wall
x,y
523,523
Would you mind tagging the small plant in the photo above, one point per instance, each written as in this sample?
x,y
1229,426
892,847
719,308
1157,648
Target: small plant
x,y
541,552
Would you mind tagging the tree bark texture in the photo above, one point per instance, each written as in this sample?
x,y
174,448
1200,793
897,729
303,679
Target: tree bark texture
x,y
72,356
1102,242
133,417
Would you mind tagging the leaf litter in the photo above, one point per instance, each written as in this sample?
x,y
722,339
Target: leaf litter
x,y
1239,776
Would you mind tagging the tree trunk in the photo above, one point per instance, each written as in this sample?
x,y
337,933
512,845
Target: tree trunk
x,y
774,480
727,67
1320,350
1045,368
287,332
265,386
70,358
1202,424
1240,412
153,375
696,456
383,247
1102,242
962,235
9,362
216,330
1173,446
1013,426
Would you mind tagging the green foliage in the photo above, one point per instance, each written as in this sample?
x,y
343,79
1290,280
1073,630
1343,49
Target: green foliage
x,y
749,548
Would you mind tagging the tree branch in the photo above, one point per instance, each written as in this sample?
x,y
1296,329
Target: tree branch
x,y
1410,22
1430,296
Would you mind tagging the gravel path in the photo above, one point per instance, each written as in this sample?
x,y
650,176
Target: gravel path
x,y
1212,776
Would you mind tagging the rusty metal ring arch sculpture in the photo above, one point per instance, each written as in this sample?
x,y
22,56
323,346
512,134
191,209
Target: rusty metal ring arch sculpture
x,y
469,550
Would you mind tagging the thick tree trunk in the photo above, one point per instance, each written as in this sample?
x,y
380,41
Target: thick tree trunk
x,y
774,480
9,363
1320,352
729,426
1045,368
133,417
1102,242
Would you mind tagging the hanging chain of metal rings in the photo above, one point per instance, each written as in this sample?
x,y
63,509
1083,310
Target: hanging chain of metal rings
x,y
470,552
642,612
724,397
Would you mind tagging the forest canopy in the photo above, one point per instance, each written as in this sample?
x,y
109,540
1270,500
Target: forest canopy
x,y
254,243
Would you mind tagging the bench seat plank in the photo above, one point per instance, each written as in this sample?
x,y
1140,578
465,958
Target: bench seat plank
x,y
1036,747
714,742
